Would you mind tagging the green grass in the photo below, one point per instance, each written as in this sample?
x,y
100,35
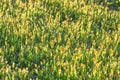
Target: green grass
x,y
52,39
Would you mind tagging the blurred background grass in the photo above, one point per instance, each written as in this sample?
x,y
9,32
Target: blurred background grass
x,y
59,39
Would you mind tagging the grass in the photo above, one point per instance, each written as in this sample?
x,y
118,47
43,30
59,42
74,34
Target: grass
x,y
52,39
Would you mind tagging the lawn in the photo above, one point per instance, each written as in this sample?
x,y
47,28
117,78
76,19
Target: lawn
x,y
59,40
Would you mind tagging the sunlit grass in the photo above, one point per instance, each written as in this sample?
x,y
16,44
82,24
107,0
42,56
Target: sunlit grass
x,y
52,39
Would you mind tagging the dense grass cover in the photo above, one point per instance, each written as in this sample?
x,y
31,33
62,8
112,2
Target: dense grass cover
x,y
59,39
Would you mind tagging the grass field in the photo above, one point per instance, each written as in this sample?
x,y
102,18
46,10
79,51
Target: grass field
x,y
59,40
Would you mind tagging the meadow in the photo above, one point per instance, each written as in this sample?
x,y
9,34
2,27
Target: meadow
x,y
59,40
